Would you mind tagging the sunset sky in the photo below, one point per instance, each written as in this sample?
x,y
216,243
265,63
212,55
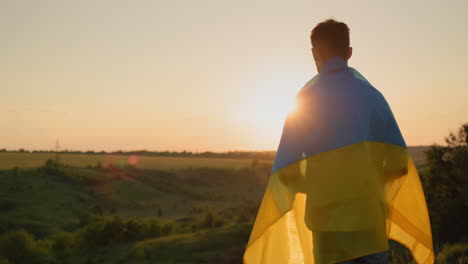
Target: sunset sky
x,y
212,74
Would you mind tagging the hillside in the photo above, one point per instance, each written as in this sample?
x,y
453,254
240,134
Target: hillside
x,y
118,209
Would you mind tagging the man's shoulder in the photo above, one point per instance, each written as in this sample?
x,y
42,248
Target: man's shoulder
x,y
352,83
366,87
310,85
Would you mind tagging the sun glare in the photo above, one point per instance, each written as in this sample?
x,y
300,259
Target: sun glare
x,y
271,110
267,107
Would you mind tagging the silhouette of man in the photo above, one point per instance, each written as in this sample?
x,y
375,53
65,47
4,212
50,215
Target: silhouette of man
x,y
331,51
343,181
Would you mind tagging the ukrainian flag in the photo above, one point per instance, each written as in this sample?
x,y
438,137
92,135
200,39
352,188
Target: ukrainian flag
x,y
343,181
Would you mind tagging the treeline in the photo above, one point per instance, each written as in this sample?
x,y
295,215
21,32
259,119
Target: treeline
x,y
206,154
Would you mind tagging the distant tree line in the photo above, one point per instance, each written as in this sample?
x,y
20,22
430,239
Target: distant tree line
x,y
206,154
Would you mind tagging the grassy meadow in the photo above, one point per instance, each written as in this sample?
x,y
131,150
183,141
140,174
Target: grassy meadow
x,y
9,160
100,208
202,207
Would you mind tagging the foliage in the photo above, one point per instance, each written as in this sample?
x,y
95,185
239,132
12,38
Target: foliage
x,y
457,253
211,219
20,247
62,245
213,201
446,188
52,167
112,230
220,245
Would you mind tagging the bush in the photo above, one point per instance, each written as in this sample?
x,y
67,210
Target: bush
x,y
457,253
167,229
104,230
212,219
152,228
52,167
20,247
62,244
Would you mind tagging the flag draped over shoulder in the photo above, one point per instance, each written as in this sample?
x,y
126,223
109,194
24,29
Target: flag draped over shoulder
x,y
343,181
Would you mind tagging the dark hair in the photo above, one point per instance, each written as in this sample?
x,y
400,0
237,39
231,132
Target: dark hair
x,y
332,35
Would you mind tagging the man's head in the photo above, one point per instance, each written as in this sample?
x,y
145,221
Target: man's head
x,y
330,38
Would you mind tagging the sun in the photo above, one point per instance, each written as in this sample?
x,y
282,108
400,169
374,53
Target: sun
x,y
269,111
267,107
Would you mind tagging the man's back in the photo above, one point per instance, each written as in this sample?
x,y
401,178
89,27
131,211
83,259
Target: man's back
x,y
344,187
343,181
337,108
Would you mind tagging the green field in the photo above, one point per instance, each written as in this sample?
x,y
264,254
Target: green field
x,y
206,205
9,160
209,204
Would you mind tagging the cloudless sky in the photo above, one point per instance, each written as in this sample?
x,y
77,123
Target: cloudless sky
x,y
213,74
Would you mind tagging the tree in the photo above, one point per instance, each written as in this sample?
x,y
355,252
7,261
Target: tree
x,y
446,187
51,167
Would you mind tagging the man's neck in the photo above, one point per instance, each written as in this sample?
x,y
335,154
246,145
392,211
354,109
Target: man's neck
x,y
332,64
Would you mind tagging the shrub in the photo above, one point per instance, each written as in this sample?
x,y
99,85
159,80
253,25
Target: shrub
x,y
104,230
456,253
21,247
52,167
152,228
446,188
167,229
212,219
62,245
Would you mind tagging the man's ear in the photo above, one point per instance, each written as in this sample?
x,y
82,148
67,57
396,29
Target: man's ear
x,y
316,54
350,52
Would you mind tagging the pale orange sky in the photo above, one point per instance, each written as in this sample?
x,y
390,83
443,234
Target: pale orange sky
x,y
214,75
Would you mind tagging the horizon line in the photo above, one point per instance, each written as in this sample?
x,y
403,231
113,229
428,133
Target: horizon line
x,y
154,151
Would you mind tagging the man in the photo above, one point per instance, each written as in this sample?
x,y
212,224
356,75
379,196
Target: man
x,y
343,181
331,51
